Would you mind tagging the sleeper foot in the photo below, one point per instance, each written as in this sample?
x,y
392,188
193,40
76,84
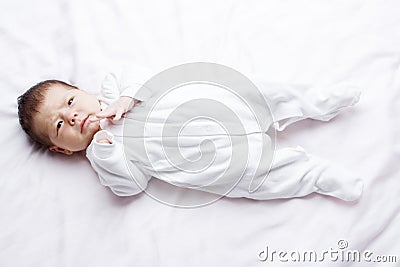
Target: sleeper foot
x,y
340,97
338,182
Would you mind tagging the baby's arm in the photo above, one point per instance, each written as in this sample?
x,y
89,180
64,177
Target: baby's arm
x,y
107,159
122,89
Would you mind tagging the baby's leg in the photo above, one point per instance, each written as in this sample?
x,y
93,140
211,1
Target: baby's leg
x,y
291,103
294,173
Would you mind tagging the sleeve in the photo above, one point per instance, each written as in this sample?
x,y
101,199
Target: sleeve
x,y
126,81
109,163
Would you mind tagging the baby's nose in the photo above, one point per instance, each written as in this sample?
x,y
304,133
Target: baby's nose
x,y
72,116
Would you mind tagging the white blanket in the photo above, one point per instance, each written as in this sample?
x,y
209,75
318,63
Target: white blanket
x,y
53,210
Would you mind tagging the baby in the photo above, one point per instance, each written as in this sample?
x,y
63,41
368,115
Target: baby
x,y
66,119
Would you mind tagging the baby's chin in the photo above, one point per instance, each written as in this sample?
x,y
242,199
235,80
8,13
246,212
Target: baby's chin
x,y
88,137
93,129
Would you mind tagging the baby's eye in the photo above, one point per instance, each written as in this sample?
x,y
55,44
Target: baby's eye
x,y
59,124
70,101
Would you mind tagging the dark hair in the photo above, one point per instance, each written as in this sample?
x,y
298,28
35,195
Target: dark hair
x,y
29,104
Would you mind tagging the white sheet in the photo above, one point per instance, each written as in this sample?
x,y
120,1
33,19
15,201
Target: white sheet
x,y
54,212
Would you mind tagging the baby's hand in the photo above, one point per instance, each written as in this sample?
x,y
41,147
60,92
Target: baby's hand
x,y
103,137
104,141
116,109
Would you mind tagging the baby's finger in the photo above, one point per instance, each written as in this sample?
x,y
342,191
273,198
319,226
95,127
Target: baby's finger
x,y
94,118
109,112
118,115
98,117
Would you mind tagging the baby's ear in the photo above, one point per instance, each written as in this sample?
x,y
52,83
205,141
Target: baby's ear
x,y
60,150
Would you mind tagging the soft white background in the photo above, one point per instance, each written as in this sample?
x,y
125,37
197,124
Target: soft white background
x,y
53,210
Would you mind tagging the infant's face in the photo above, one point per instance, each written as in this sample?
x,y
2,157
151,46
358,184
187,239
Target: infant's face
x,y
63,117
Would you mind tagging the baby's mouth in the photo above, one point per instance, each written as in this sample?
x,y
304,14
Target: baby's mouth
x,y
83,123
